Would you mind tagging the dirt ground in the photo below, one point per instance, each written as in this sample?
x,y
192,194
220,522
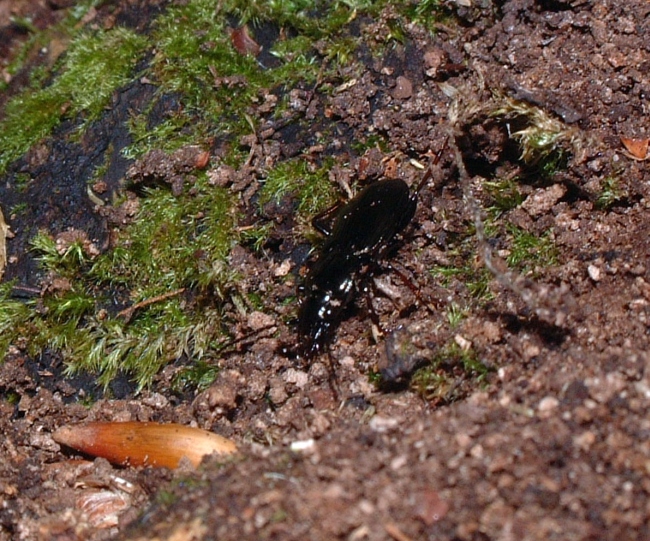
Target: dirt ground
x,y
554,442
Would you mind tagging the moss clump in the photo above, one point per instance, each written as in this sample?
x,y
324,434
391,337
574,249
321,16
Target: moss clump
x,y
611,193
196,59
14,314
529,251
466,270
198,376
298,178
173,246
95,65
546,142
451,375
173,243
173,253
505,195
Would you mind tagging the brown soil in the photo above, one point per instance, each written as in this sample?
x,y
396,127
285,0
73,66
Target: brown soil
x,y
556,444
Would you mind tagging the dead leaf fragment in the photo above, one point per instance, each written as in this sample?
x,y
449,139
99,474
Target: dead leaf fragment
x,y
202,160
143,444
243,42
637,149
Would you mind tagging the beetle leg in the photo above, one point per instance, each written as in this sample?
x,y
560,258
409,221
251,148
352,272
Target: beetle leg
x,y
377,329
333,379
406,280
323,221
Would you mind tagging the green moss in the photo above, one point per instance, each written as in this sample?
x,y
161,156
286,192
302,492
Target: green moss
x,y
425,11
195,59
14,316
12,397
372,141
320,19
474,277
22,181
69,307
179,129
19,208
192,45
505,195
456,314
546,143
451,375
140,348
309,185
67,263
172,246
528,251
95,65
166,497
256,235
197,377
611,193
175,245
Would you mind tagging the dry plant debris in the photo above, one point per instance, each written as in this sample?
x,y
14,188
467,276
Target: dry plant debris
x,y
637,149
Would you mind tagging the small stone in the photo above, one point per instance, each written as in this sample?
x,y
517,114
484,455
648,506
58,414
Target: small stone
x,y
297,377
477,451
463,440
585,440
259,320
277,392
221,176
302,445
223,393
547,406
531,351
403,88
433,60
347,361
603,389
383,424
462,342
282,269
399,462
594,273
543,200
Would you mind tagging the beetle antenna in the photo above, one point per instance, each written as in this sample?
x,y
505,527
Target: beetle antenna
x,y
429,172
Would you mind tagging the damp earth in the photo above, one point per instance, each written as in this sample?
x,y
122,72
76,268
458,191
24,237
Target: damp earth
x,y
512,313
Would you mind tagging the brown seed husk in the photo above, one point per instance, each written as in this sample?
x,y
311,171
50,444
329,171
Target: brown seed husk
x,y
142,443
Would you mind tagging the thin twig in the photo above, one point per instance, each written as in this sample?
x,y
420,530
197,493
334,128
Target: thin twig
x,y
127,313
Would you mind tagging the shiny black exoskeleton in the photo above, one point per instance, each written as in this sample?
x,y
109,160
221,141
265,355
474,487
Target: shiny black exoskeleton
x,y
363,232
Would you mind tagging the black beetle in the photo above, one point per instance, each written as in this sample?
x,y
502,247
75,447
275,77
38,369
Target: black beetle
x,y
363,233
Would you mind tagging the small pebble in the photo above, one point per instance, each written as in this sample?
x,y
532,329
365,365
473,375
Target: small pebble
x,y
547,405
403,88
594,273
